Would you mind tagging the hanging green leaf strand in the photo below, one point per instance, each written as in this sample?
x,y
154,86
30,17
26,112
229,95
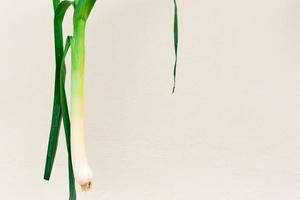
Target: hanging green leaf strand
x,y
60,10
175,43
66,120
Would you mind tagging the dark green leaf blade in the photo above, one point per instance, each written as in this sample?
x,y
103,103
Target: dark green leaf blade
x,y
56,113
66,119
55,4
175,43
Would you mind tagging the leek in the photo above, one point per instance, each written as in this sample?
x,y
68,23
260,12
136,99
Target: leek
x,y
79,169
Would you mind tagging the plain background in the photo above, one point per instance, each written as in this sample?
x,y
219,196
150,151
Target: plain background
x,y
230,132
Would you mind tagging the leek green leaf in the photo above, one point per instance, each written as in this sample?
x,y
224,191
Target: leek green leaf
x,y
83,9
66,119
55,4
56,112
175,43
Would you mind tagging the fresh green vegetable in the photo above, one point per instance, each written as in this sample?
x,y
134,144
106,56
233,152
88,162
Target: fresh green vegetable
x,y
82,171
82,9
79,169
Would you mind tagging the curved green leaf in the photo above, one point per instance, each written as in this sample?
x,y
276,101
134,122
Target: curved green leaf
x,y
66,119
175,42
55,4
56,112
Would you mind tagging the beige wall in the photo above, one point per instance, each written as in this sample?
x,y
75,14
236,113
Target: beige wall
x,y
230,132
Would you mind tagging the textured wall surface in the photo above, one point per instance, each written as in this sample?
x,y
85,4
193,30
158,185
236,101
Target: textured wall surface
x,y
230,132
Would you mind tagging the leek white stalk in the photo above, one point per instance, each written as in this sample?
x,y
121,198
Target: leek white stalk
x,y
82,171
